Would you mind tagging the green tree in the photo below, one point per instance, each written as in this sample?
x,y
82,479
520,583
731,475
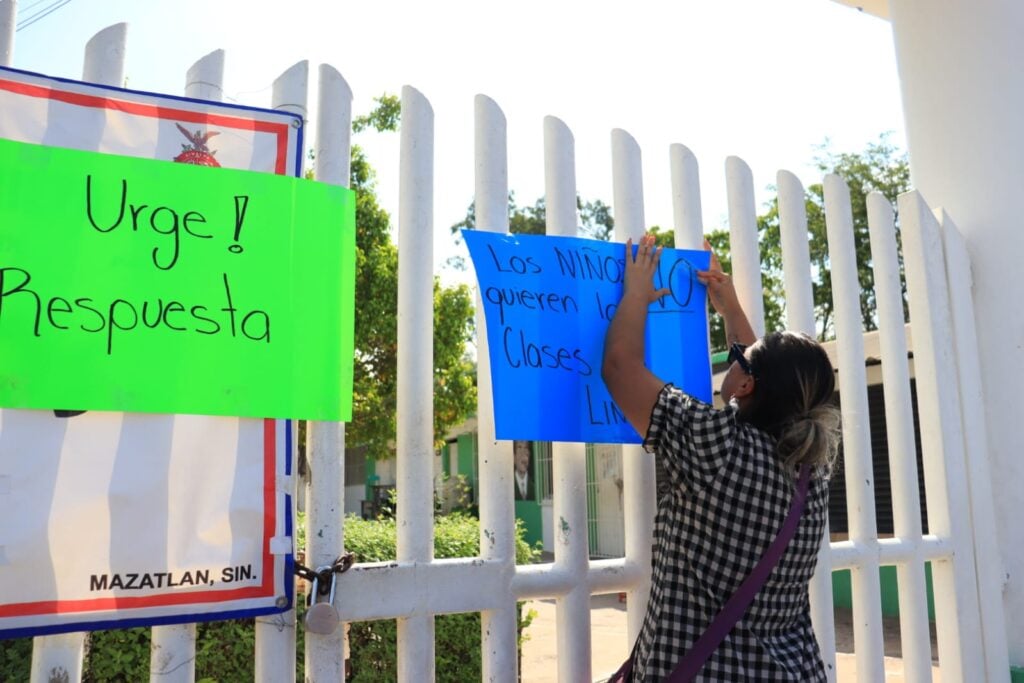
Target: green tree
x,y
880,167
376,327
596,221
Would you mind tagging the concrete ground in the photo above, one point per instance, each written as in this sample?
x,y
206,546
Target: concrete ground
x,y
609,647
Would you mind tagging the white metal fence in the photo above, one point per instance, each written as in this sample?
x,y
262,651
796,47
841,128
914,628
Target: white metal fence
x,y
965,562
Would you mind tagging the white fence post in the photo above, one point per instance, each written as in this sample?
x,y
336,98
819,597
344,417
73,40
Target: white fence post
x,y
172,653
743,243
104,56
568,460
637,464
103,64
57,658
687,219
991,570
796,268
8,14
954,580
499,627
275,635
796,260
867,592
325,441
173,648
415,442
205,79
899,420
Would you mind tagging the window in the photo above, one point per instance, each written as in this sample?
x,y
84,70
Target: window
x,y
542,458
355,466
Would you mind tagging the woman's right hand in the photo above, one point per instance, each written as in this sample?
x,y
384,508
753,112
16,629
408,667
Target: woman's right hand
x,y
721,291
640,269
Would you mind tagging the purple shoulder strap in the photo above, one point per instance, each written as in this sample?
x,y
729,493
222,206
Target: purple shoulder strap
x,y
733,611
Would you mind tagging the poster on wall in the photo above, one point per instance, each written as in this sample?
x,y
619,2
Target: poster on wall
x,y
547,304
131,493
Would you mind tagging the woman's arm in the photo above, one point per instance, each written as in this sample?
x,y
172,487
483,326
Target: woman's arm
x,y
633,387
723,297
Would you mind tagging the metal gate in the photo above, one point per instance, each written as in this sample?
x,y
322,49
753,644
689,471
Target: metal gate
x,y
415,588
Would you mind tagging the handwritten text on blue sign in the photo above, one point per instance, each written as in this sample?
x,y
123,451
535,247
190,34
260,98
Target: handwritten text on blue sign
x,y
548,302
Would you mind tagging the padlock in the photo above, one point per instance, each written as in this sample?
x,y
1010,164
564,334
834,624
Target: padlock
x,y
321,617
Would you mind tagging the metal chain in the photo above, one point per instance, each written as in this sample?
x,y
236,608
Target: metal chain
x,y
322,575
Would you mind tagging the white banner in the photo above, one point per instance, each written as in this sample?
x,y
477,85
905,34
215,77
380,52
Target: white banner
x,y
119,519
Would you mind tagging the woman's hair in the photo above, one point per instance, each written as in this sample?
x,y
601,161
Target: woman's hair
x,y
792,399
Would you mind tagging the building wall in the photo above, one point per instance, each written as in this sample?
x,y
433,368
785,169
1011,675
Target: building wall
x,y
842,592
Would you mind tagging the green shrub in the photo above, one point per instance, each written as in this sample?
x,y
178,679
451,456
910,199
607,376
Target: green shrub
x,y
15,659
117,655
224,654
372,644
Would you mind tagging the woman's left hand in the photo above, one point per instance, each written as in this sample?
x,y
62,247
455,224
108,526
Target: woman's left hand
x,y
640,269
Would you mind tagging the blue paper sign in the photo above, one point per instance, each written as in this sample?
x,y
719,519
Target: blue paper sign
x,y
548,302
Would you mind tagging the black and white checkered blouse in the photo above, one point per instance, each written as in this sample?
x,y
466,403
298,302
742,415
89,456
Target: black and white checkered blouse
x,y
727,500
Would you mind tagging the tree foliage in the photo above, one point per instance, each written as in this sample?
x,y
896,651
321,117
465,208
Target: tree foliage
x,y
880,167
596,221
376,324
223,653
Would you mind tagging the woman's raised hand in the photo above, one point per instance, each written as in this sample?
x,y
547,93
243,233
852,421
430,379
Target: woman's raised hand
x,y
640,269
721,291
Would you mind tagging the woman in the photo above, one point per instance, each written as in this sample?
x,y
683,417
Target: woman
x,y
732,476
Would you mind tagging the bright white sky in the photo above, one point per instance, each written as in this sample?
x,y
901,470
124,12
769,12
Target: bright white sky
x,y
765,80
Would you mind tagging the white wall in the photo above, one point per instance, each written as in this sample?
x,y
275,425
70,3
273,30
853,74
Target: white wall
x,y
963,98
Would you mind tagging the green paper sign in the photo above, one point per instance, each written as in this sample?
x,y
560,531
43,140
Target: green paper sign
x,y
148,286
